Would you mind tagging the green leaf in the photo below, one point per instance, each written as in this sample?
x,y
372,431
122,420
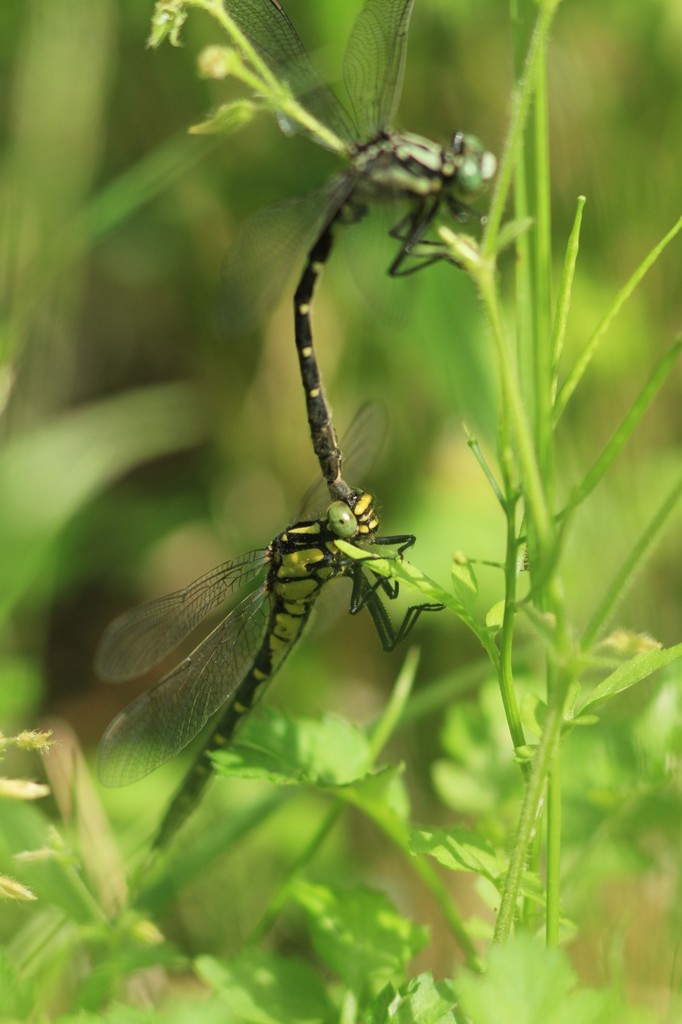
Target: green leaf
x,y
464,582
533,712
629,674
625,428
47,475
462,790
495,616
458,850
124,961
416,581
534,985
585,357
512,230
358,933
15,996
228,118
293,751
420,1001
263,988
381,795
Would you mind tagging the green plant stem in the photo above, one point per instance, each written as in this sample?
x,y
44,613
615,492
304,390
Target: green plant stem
x,y
305,857
349,1008
394,829
277,93
554,849
393,713
565,292
512,146
542,762
513,403
506,671
541,245
532,447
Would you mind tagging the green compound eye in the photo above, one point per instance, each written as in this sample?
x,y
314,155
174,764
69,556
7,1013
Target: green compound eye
x,y
341,520
477,166
469,177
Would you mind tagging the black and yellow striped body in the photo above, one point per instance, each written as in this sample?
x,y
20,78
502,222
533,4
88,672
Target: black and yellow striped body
x,y
300,562
325,443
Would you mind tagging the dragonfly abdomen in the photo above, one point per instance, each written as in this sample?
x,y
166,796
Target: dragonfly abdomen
x,y
298,570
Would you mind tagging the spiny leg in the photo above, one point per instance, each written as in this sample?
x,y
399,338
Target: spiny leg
x,y
367,594
410,230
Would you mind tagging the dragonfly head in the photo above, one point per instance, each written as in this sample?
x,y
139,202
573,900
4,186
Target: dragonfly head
x,y
355,516
475,166
341,521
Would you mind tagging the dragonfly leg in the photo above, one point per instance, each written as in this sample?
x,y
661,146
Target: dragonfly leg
x,y
366,595
410,230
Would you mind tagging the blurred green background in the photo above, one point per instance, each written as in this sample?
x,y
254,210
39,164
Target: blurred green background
x,y
143,444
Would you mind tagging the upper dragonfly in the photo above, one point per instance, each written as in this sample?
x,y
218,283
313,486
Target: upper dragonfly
x,y
383,164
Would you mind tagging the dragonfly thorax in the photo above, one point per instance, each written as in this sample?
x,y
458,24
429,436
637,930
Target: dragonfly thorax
x,y
295,552
400,164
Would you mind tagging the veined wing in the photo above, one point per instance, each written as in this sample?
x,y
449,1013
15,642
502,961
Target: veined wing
x,y
140,638
360,447
164,719
374,63
268,246
268,27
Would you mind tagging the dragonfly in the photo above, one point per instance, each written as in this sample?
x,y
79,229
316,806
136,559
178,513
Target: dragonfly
x,y
383,164
227,671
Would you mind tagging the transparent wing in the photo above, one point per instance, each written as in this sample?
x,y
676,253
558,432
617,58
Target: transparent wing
x,y
268,27
164,719
268,246
140,638
360,447
374,63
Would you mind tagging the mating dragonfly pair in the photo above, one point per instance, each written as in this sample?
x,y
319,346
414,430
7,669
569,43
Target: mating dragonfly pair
x,y
232,664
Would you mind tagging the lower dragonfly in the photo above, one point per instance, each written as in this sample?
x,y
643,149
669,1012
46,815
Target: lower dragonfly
x,y
232,665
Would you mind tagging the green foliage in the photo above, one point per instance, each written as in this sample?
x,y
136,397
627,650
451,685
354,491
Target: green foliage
x,y
535,986
263,988
525,796
421,999
359,934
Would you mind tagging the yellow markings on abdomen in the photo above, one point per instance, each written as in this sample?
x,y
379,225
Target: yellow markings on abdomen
x,y
298,592
287,627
